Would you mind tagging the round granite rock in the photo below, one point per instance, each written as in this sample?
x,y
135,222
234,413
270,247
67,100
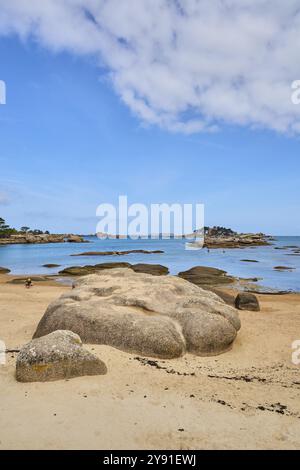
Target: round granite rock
x,y
58,355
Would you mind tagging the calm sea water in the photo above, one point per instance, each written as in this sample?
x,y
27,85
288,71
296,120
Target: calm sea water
x,y
28,259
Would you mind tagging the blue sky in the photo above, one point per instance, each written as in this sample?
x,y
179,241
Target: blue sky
x,y
68,143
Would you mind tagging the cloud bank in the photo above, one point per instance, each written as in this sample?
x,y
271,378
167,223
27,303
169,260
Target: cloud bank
x,y
183,65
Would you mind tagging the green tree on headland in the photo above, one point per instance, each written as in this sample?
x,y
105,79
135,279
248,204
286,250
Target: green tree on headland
x,y
5,230
3,225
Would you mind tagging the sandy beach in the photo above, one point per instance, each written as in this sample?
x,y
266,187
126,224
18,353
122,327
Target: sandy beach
x,y
244,399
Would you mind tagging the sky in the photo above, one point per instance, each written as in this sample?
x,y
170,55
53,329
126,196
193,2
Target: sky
x,y
163,101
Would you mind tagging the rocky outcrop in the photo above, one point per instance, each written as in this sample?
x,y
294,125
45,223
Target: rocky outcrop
x,y
56,356
118,253
139,313
247,301
205,277
237,241
155,269
221,237
75,239
30,238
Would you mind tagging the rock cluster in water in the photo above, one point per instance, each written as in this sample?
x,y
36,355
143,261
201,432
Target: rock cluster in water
x,y
154,269
237,241
221,237
30,238
118,253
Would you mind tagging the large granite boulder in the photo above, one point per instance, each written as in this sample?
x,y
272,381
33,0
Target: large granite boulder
x,y
158,316
56,356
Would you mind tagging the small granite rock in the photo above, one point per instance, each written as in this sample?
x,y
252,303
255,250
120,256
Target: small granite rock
x,y
247,301
204,276
154,269
4,270
59,355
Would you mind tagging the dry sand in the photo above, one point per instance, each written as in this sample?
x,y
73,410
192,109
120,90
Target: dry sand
x,y
248,398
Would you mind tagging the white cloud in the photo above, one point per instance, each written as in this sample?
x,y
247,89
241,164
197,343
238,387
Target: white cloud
x,y
184,65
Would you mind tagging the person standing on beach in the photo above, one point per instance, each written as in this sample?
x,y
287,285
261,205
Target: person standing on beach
x,y
28,283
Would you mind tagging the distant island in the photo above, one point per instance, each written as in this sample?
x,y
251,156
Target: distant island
x,y
214,237
11,236
221,237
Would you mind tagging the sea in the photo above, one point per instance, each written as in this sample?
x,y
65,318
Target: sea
x,y
30,258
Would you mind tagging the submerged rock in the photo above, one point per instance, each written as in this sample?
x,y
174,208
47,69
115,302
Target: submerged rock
x,y
284,268
118,253
249,261
56,356
51,265
158,316
247,301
